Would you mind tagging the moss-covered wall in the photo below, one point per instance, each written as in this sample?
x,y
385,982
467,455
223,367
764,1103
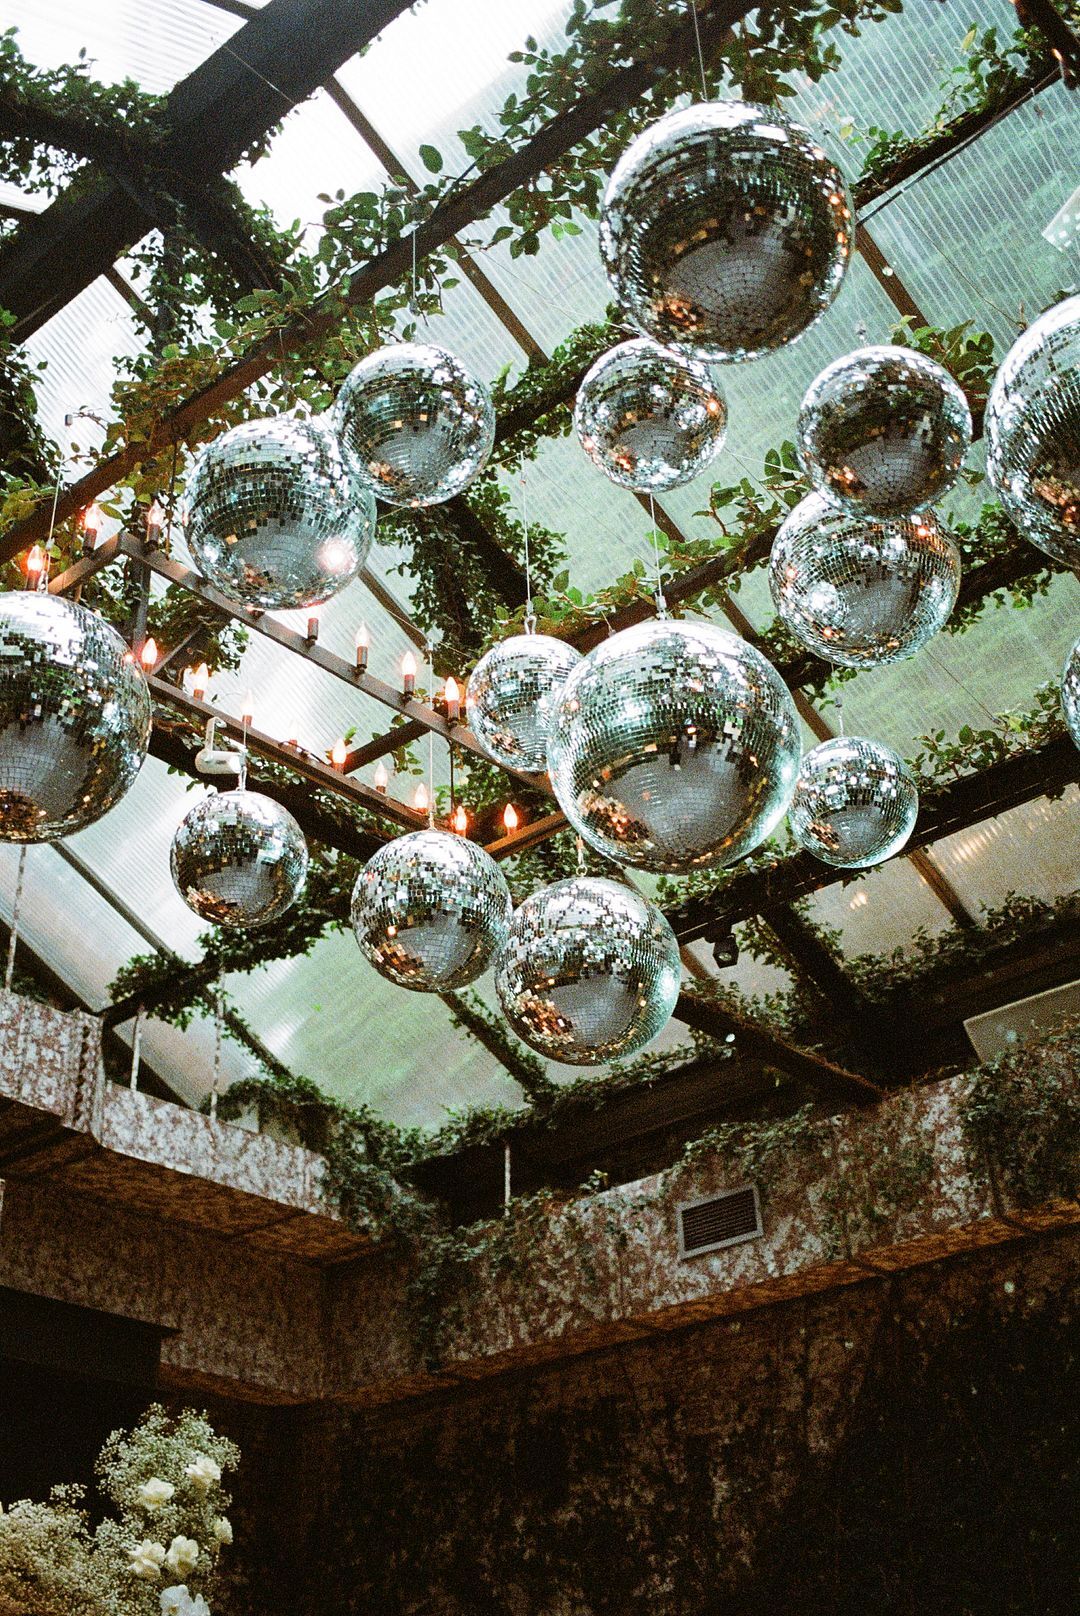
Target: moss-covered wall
x,y
903,1445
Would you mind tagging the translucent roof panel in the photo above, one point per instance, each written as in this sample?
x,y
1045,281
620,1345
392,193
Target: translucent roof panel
x,y
154,42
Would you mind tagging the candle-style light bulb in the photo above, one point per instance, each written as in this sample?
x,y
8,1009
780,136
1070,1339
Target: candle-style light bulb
x,y
312,633
155,520
363,646
460,820
339,754
247,709
510,817
200,682
408,673
420,798
453,700
92,520
149,654
35,566
382,779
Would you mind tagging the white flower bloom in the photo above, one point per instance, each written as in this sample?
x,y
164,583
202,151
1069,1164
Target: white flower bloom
x,y
147,1559
155,1492
203,1472
223,1530
199,1607
175,1601
183,1555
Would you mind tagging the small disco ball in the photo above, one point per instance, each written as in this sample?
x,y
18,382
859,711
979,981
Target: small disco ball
x,y
511,695
274,517
239,859
884,431
649,418
1070,692
430,911
590,971
860,592
725,230
855,802
674,746
418,426
74,717
1033,432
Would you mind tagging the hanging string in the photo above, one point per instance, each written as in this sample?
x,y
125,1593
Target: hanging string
x,y
700,53
430,654
530,615
932,656
840,715
661,603
9,973
580,856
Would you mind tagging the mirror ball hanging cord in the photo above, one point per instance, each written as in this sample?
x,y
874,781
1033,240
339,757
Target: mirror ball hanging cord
x,y
700,54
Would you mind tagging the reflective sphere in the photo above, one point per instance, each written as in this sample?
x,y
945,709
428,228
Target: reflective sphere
x,y
649,418
674,746
239,859
1033,432
884,431
726,230
590,971
1070,692
855,802
430,911
417,424
860,592
511,696
74,717
275,519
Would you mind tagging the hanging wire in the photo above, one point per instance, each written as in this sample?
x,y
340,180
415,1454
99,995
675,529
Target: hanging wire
x,y
661,603
9,972
931,656
215,1089
700,53
430,654
839,705
580,856
530,615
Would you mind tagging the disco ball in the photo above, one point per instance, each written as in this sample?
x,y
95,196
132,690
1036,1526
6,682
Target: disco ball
x,y
430,911
649,418
884,431
590,971
239,859
855,802
674,746
74,717
418,426
860,592
1032,428
726,230
274,517
511,695
1070,692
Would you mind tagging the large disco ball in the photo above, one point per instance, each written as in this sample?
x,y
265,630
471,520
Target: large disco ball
x,y
726,230
674,746
239,859
417,424
649,418
855,802
511,695
884,431
590,971
1032,428
430,911
74,717
274,516
860,592
1070,692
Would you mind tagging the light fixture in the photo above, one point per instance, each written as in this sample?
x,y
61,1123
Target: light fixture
x,y
408,673
363,645
453,700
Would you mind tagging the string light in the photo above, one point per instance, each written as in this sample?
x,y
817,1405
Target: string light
x,y
408,673
382,779
339,754
35,567
92,520
421,800
363,646
149,654
155,521
460,820
453,700
312,633
200,681
247,710
510,817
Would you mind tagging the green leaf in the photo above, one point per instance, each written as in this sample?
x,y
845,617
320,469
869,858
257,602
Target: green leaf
x,y
431,159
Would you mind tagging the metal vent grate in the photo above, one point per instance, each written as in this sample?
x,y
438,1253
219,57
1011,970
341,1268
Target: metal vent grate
x,y
720,1220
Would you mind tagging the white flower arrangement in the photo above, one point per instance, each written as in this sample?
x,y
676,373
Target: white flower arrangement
x,y
164,1481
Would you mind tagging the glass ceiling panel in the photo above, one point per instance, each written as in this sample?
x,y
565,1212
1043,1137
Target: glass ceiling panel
x,y
880,911
154,42
79,346
1032,850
